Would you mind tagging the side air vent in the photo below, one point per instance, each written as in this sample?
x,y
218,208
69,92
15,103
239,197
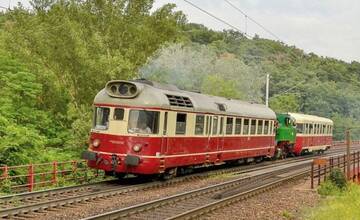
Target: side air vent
x,y
221,107
181,101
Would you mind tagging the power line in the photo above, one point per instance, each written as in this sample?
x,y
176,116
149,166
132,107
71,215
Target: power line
x,y
247,17
217,18
288,90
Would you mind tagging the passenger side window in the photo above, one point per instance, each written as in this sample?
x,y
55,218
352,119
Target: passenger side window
x,y
221,125
208,125
199,124
246,127
300,128
253,126
229,125
310,128
215,125
266,127
318,128
118,114
238,126
180,123
260,127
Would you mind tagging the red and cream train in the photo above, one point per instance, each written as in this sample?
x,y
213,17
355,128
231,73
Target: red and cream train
x,y
143,127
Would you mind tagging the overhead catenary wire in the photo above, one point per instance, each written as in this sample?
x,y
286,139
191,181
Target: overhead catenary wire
x,y
288,90
217,18
253,20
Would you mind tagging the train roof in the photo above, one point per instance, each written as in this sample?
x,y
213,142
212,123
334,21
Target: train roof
x,y
303,118
155,95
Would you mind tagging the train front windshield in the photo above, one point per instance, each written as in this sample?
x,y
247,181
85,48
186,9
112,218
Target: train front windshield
x,y
143,122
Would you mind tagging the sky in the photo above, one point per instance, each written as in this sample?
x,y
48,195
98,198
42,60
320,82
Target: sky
x,y
325,27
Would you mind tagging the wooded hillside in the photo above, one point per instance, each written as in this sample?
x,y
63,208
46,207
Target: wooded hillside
x,y
57,56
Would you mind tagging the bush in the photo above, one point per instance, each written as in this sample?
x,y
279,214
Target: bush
x,y
334,185
328,188
337,177
343,206
5,186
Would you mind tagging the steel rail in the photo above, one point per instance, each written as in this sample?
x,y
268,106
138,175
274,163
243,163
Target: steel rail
x,y
59,202
137,211
27,196
196,213
41,206
148,208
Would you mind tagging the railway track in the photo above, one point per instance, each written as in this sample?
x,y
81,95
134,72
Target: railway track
x,y
192,204
27,204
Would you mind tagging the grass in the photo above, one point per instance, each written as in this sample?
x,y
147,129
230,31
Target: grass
x,y
287,215
337,204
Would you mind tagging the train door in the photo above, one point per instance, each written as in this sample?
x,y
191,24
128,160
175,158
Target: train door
x,y
164,139
221,134
208,132
215,139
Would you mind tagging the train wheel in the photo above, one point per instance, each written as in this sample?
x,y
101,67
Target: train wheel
x,y
120,175
109,173
169,174
259,159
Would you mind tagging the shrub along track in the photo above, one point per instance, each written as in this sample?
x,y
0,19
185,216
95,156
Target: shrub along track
x,y
28,204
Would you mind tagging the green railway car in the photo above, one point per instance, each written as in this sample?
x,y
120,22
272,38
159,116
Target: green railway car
x,y
285,134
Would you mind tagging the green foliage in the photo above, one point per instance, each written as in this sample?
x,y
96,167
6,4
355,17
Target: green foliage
x,y
65,51
337,177
335,185
328,188
287,215
55,57
5,186
344,205
284,103
21,120
215,85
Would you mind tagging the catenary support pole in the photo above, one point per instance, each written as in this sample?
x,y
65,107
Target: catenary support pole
x,y
267,90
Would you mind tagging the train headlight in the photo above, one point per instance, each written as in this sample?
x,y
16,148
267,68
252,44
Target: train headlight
x,y
113,88
123,89
137,148
96,143
133,90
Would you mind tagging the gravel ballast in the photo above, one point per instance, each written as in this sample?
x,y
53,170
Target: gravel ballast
x,y
280,203
287,202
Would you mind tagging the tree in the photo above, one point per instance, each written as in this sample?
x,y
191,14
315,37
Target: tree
x,y
284,103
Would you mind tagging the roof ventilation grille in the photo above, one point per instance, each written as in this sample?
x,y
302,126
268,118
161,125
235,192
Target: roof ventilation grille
x,y
181,101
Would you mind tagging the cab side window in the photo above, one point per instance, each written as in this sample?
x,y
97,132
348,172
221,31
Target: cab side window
x,y
118,114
